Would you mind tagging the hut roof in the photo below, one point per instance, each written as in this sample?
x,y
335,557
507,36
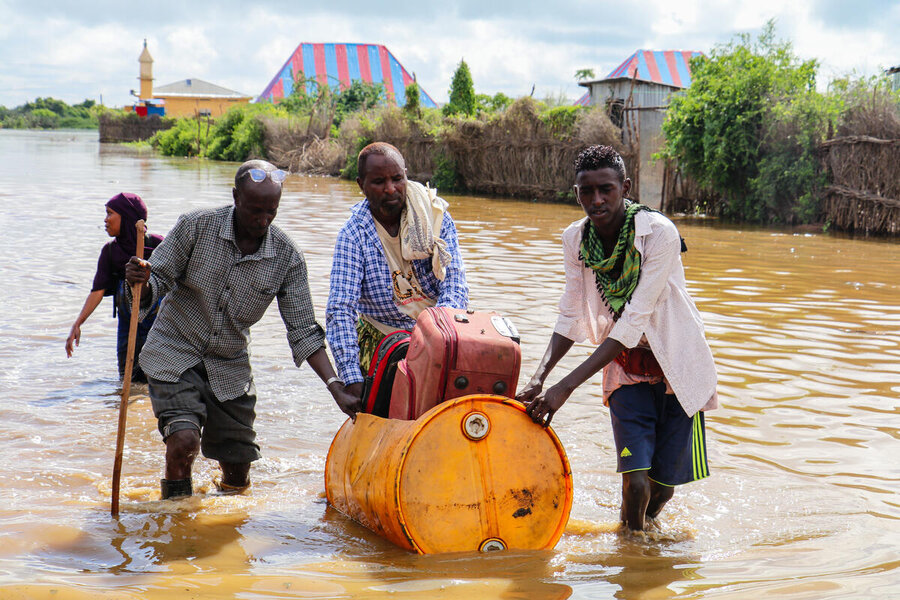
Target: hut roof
x,y
338,65
664,67
191,88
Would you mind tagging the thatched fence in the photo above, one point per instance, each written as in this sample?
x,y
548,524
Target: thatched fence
x,y
681,194
516,154
864,195
293,145
130,127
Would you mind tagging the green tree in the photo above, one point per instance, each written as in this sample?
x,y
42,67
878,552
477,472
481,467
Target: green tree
x,y
44,118
51,104
359,96
462,92
492,104
49,113
304,95
582,74
748,126
326,107
413,106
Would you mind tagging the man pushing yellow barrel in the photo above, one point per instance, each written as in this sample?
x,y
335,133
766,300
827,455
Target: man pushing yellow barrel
x,y
444,473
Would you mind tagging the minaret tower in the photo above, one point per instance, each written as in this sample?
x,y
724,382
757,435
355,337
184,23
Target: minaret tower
x,y
146,73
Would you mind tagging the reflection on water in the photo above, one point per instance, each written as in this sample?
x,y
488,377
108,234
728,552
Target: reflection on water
x,y
801,503
156,540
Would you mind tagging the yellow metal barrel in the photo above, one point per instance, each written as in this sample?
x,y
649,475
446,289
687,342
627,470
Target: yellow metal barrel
x,y
474,473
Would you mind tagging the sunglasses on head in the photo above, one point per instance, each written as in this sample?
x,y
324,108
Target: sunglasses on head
x,y
259,175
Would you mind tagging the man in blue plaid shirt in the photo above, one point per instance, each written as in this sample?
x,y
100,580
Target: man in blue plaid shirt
x,y
396,255
218,271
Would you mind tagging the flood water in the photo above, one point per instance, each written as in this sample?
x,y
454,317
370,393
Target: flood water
x,y
802,501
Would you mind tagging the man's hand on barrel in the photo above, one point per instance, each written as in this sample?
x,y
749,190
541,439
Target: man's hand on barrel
x,y
542,408
347,401
531,391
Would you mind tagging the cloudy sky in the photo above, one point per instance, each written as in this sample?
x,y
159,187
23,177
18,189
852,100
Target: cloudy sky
x,y
77,50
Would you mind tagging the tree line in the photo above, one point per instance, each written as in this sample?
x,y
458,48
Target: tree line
x,y
349,118
50,113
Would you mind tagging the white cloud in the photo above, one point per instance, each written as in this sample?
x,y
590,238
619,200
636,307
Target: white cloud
x,y
76,54
185,52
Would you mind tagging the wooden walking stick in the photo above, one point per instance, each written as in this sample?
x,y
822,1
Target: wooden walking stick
x,y
126,379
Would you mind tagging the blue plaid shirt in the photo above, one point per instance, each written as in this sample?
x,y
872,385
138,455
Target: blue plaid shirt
x,y
361,284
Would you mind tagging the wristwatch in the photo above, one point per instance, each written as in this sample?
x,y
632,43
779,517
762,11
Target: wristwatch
x,y
333,379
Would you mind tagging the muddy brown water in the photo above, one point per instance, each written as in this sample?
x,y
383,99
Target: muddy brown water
x,y
802,501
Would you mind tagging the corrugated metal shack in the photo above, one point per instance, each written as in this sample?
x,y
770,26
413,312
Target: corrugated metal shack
x,y
636,95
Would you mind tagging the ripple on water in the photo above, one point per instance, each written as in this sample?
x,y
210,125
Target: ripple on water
x,y
805,332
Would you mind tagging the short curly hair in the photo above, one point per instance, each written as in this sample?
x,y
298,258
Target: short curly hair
x,y
381,149
600,157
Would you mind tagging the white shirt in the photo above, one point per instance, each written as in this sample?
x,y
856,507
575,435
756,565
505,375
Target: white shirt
x,y
660,310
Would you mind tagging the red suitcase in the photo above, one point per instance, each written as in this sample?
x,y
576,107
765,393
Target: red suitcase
x,y
455,353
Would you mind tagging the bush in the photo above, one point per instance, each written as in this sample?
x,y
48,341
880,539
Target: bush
x,y
237,136
413,106
867,107
593,126
44,118
360,96
445,177
492,104
186,138
326,107
785,190
561,120
748,128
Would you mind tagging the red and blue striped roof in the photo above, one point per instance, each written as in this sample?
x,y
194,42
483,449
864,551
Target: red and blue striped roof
x,y
338,65
667,67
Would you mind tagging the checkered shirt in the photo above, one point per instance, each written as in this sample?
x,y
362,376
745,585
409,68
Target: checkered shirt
x,y
361,284
212,295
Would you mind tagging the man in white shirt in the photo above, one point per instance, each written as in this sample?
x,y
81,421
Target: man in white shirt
x,y
625,292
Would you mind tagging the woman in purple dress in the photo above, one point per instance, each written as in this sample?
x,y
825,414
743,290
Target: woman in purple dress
x,y
123,211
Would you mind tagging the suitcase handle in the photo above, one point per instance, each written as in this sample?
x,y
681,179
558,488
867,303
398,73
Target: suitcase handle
x,y
505,328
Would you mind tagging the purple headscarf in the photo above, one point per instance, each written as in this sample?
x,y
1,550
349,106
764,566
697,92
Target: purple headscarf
x,y
132,209
115,254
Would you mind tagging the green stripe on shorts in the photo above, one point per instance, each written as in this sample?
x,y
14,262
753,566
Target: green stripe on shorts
x,y
701,468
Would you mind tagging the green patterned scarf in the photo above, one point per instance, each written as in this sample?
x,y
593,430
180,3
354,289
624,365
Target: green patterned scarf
x,y
368,337
617,275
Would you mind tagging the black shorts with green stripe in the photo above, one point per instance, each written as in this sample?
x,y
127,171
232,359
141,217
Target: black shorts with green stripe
x,y
654,434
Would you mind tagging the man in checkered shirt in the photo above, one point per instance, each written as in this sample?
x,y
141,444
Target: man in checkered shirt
x,y
217,272
396,255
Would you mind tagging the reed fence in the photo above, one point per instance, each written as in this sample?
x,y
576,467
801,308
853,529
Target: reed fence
x,y
516,154
864,194
130,127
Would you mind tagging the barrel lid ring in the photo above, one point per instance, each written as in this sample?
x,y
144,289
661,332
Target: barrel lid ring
x,y
476,425
492,545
